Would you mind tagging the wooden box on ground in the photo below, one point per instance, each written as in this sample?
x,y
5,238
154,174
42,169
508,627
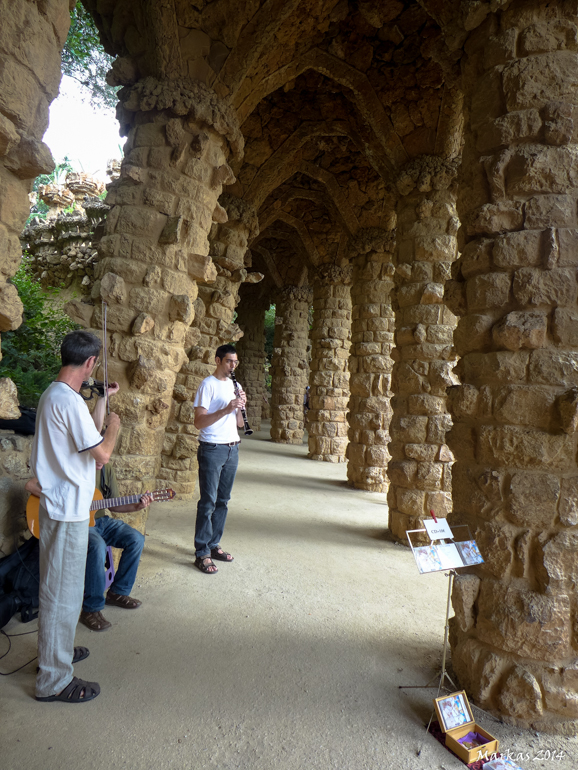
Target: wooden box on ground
x,y
456,721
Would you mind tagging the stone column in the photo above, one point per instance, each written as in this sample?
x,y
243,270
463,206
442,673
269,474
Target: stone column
x,y
212,326
29,80
420,467
251,352
514,637
153,252
329,377
289,368
370,363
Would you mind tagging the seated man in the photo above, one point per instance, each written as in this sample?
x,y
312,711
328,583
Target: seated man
x,y
108,532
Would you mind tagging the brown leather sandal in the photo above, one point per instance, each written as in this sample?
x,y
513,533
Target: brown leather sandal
x,y
95,621
207,569
220,555
120,600
76,691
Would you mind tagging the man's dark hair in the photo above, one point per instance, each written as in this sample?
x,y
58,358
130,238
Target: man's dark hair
x,y
222,351
77,347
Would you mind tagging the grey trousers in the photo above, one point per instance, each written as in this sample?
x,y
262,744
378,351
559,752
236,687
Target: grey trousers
x,y
63,547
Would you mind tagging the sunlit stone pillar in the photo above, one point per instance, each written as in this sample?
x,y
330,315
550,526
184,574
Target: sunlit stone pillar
x,y
329,377
370,363
515,480
427,224
289,367
153,252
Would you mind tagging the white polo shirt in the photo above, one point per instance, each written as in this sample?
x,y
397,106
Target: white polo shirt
x,y
214,394
60,460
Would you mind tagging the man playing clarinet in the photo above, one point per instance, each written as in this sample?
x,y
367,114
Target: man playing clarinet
x,y
218,415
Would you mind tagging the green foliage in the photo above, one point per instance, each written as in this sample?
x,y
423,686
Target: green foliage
x,y
31,353
85,60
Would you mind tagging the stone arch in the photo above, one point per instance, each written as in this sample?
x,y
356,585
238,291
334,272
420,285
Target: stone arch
x,y
366,99
349,221
270,174
270,263
300,239
253,38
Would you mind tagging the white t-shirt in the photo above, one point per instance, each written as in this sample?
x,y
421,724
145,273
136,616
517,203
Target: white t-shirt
x,y
61,462
212,395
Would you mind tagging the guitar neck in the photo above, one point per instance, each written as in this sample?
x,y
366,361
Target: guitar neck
x,y
113,502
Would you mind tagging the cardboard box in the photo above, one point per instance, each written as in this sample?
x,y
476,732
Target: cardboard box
x,y
456,721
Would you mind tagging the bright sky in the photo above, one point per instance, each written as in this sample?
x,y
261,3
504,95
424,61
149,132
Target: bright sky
x,y
88,137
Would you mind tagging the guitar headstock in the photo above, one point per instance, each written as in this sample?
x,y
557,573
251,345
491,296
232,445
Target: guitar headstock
x,y
162,495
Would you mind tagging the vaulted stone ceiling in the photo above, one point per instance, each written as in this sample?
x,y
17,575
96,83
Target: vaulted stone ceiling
x,y
333,98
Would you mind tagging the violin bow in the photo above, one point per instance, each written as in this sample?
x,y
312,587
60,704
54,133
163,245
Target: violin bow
x,y
105,355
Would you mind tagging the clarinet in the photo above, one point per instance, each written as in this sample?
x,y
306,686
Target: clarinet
x,y
248,430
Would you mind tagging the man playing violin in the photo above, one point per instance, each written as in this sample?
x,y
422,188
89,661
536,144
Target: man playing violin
x,y
65,448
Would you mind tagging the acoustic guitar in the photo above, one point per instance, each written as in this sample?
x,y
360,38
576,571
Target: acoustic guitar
x,y
98,503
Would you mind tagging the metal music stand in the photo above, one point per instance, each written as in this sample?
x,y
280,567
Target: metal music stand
x,y
443,674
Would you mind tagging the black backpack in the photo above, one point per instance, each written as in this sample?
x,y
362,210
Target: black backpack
x,y
19,582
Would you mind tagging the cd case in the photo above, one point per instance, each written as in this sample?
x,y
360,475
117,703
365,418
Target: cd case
x,y
436,558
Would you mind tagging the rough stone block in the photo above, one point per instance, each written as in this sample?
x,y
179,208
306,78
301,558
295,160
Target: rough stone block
x,y
530,405
534,81
565,327
423,404
554,366
526,623
421,452
495,218
501,367
148,300
464,595
473,333
140,221
535,169
568,507
403,473
545,287
523,249
521,696
549,211
150,135
524,448
113,288
181,309
491,290
438,426
521,330
410,501
534,498
568,247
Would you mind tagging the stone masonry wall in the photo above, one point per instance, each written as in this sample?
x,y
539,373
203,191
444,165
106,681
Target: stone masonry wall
x,y
370,363
427,224
514,638
31,38
153,252
329,377
212,325
251,352
289,368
